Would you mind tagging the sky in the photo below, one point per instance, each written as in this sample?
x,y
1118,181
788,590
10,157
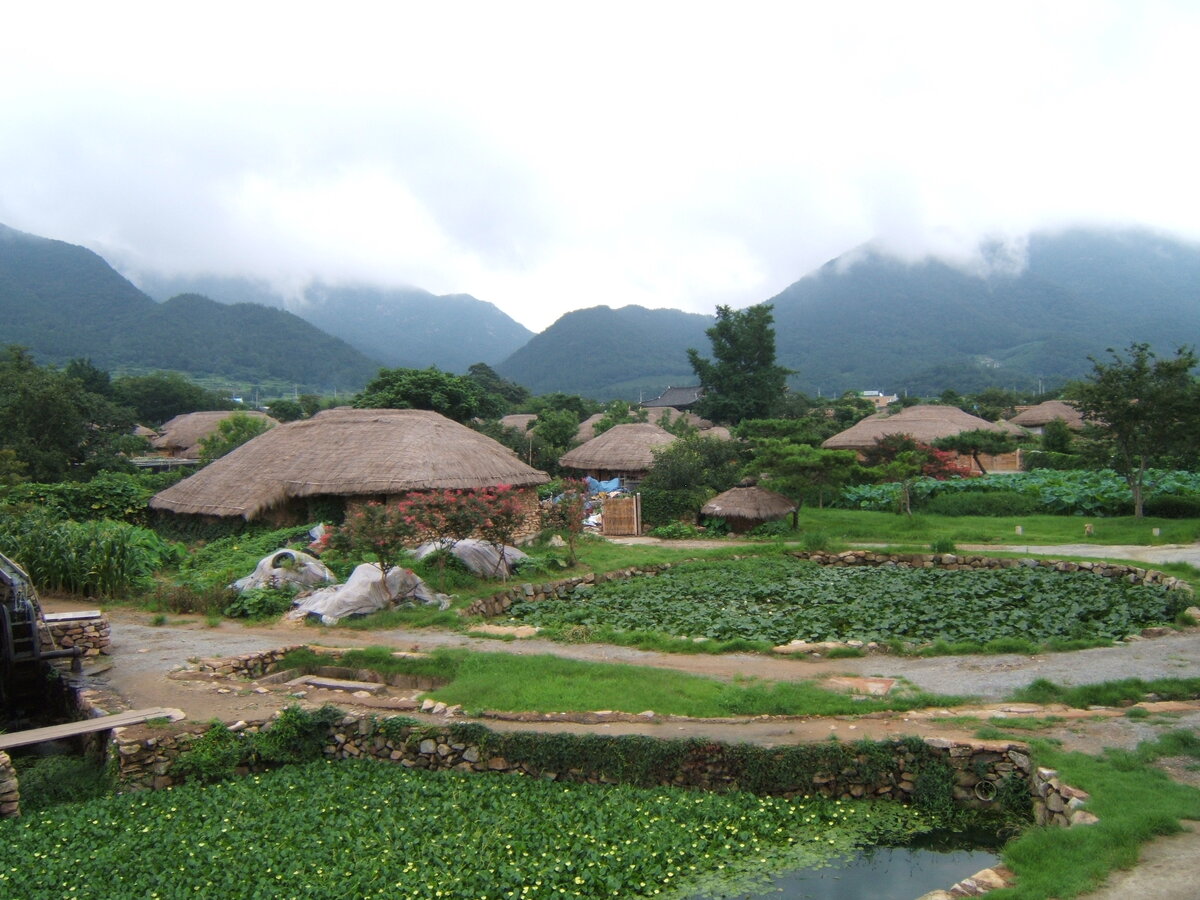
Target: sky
x,y
554,156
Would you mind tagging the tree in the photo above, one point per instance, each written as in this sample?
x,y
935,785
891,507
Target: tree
x,y
454,396
799,470
566,513
977,441
743,382
231,433
384,530
1145,411
55,428
286,410
163,395
618,412
510,393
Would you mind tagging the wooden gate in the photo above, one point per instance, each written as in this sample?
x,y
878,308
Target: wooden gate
x,y
622,515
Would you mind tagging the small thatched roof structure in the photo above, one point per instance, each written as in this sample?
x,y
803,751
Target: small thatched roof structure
x,y
745,506
587,428
623,448
181,436
925,423
519,421
720,432
347,452
1044,413
673,415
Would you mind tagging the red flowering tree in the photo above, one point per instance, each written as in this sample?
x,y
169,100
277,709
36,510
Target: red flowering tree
x,y
384,531
902,459
448,517
503,518
566,514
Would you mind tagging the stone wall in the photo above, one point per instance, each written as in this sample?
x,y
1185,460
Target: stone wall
x,y
10,794
499,603
245,665
900,771
89,630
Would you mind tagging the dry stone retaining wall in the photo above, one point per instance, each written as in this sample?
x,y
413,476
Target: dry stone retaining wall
x,y
89,630
10,794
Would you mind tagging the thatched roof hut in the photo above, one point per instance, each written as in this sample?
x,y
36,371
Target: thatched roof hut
x,y
657,413
748,505
925,423
1038,417
587,428
347,453
623,450
520,421
181,436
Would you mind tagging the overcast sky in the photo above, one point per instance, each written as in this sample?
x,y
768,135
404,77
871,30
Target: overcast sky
x,y
552,156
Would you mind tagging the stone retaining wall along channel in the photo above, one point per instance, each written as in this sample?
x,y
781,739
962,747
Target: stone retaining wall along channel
x,y
976,774
498,604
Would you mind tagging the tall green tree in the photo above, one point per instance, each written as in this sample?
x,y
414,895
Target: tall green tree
x,y
161,396
742,381
801,471
55,428
231,433
1145,410
456,397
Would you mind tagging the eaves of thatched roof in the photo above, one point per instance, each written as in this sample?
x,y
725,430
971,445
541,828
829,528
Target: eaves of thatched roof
x,y
1045,413
749,502
182,435
347,452
925,423
623,448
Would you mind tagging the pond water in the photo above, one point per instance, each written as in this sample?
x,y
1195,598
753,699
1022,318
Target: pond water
x,y
880,873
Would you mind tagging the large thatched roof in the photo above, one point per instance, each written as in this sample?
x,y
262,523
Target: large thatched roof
x,y
623,448
749,502
347,452
925,423
1045,413
519,421
182,435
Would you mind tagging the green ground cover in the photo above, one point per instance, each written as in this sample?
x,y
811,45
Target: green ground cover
x,y
360,828
777,600
544,683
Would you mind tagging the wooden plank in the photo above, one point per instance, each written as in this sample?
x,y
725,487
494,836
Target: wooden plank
x,y
68,616
343,684
86,726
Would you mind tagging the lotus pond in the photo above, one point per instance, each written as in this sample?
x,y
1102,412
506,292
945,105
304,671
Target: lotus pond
x,y
369,829
782,599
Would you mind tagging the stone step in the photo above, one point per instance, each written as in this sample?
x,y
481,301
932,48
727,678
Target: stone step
x,y
338,684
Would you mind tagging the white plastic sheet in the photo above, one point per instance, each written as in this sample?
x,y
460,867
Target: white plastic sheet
x,y
366,591
286,568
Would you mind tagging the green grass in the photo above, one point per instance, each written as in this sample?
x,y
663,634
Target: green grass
x,y
1108,693
543,683
1134,803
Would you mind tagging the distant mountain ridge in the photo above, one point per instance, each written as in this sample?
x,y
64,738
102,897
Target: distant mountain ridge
x,y
869,321
65,302
405,327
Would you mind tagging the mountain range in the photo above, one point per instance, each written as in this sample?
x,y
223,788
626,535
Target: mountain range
x,y
863,321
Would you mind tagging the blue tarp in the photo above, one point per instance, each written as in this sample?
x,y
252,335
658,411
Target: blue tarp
x,y
602,487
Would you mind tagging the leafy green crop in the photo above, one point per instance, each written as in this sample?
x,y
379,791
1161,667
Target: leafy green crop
x,y
783,599
367,829
1078,492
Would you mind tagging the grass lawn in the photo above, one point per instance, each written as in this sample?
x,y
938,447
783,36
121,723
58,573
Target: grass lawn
x,y
544,683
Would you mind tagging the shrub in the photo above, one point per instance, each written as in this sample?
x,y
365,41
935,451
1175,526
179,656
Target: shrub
x,y
1173,506
675,531
260,603
661,506
992,503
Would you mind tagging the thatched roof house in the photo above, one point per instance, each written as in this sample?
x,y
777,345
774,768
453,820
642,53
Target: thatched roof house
x,y
925,423
181,436
623,451
346,453
746,506
522,422
1036,418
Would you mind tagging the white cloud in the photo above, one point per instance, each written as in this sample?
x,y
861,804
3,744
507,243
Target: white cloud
x,y
546,156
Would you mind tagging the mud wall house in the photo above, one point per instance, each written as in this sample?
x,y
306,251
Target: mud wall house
x,y
623,451
925,423
180,437
313,469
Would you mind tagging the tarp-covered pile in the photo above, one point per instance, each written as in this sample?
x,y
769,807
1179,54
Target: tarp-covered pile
x,y
481,558
365,592
286,568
